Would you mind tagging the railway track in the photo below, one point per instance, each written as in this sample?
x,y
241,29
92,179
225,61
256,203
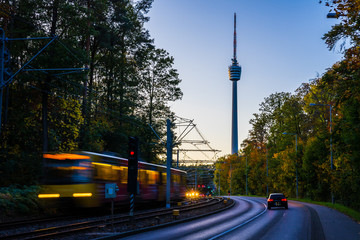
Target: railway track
x,y
101,225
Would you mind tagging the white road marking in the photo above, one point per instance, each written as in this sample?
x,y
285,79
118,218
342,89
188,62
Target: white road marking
x,y
242,224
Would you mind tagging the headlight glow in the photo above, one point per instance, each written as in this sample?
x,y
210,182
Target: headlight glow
x,y
52,195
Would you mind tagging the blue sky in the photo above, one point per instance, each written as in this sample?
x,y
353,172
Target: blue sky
x,y
279,47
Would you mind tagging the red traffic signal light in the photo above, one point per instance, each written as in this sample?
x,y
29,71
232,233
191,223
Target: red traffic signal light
x,y
132,153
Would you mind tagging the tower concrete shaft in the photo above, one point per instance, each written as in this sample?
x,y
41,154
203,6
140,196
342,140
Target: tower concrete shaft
x,y
234,75
234,121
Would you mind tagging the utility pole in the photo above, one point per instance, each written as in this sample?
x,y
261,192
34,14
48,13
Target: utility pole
x,y
267,173
195,179
230,176
246,172
2,50
219,183
177,158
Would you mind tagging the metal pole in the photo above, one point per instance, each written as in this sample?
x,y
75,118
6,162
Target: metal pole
x,y
219,183
246,177
112,213
177,158
230,177
267,173
132,198
168,162
296,169
2,50
195,178
331,154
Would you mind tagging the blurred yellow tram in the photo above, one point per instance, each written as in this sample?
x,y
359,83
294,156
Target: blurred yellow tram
x,y
79,179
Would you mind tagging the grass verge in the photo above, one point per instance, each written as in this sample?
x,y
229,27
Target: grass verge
x,y
339,207
355,215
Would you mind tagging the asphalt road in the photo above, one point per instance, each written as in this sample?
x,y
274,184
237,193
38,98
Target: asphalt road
x,y
250,219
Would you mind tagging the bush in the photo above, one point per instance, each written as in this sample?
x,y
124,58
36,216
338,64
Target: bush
x,y
18,201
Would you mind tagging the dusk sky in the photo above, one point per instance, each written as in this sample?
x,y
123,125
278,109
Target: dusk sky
x,y
279,48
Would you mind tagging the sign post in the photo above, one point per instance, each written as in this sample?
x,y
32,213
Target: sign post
x,y
110,192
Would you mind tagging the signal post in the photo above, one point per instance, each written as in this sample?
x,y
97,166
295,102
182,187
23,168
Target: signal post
x,y
132,186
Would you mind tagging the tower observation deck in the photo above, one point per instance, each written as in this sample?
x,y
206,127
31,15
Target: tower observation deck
x,y
234,75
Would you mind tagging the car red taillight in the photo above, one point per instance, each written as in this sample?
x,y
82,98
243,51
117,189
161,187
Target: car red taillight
x,y
270,200
284,200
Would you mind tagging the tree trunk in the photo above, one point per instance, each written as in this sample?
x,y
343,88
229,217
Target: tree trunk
x,y
46,86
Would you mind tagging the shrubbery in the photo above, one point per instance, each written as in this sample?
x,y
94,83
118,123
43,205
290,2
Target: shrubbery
x,y
18,201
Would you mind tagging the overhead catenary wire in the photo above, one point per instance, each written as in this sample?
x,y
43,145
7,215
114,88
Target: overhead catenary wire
x,y
65,92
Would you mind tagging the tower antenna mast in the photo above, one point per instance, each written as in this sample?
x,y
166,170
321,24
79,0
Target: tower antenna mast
x,y
235,36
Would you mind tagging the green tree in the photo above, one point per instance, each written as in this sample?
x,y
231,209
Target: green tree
x,y
96,110
158,86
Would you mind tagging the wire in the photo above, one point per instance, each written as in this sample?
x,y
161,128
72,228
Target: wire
x,y
58,40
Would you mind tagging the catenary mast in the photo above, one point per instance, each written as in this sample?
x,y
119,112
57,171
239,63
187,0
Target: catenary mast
x,y
234,75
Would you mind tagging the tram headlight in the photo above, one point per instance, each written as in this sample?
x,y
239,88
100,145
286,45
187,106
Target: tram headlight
x,y
82,194
49,195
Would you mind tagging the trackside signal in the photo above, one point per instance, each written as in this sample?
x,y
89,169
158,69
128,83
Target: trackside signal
x,y
132,164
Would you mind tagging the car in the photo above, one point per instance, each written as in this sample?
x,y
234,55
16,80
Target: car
x,y
277,200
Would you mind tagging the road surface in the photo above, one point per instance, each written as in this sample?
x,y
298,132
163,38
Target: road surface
x,y
250,219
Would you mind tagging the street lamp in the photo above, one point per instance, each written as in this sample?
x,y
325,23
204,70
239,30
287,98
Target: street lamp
x,y
297,182
331,154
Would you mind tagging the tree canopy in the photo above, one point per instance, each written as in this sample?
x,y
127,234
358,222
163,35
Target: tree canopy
x,y
126,86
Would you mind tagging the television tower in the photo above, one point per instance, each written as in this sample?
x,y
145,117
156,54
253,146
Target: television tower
x,y
234,75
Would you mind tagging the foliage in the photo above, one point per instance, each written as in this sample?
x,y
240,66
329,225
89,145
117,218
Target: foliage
x,y
128,83
331,125
18,201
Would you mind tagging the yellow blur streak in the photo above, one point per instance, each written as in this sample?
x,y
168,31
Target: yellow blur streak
x,y
118,168
64,156
53,195
101,164
82,194
72,168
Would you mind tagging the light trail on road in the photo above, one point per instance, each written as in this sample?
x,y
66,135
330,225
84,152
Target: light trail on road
x,y
250,219
242,224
